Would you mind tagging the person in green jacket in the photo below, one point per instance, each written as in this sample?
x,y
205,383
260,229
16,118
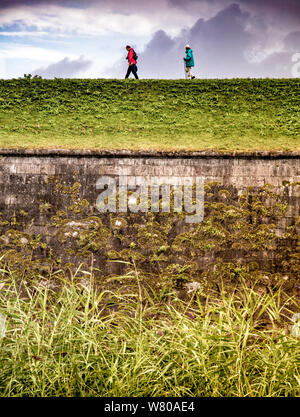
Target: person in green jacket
x,y
189,61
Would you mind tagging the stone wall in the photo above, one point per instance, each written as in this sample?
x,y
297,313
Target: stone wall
x,y
24,175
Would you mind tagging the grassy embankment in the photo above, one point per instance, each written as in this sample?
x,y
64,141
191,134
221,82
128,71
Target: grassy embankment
x,y
151,114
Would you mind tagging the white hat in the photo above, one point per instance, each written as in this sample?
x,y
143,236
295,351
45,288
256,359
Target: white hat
x,y
187,46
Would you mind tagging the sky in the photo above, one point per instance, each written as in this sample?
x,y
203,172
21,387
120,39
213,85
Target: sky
x,y
87,38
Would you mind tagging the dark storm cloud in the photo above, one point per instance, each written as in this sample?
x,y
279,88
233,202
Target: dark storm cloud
x,y
280,13
285,9
221,42
291,7
65,68
292,42
4,4
285,6
160,54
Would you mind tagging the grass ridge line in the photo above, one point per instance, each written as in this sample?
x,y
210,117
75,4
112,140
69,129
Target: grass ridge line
x,y
23,152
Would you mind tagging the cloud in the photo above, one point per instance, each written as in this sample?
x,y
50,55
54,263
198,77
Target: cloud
x,y
223,46
218,44
285,6
277,65
160,56
58,20
241,39
281,16
98,17
5,4
170,15
66,68
289,7
292,42
20,34
23,51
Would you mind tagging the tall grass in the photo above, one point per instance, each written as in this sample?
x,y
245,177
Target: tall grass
x,y
76,340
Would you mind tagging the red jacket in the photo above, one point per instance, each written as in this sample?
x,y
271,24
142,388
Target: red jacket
x,y
130,57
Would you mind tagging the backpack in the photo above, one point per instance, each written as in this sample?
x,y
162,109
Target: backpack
x,y
135,57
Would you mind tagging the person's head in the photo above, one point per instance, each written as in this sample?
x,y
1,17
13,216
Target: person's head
x,y
128,47
187,47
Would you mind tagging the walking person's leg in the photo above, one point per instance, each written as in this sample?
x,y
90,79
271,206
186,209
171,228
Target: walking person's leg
x,y
134,71
188,70
128,71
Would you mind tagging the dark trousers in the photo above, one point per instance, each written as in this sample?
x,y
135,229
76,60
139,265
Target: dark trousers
x,y
132,69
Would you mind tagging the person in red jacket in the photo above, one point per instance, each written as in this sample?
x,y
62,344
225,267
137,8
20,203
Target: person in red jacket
x,y
132,68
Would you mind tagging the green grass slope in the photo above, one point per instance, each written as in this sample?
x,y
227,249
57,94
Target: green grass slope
x,y
222,115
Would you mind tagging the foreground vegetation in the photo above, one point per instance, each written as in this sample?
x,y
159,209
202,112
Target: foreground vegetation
x,y
79,341
151,114
156,307
158,324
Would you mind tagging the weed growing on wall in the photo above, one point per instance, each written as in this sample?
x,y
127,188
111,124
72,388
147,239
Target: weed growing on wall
x,y
242,236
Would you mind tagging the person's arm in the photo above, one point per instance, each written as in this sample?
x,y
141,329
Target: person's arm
x,y
130,57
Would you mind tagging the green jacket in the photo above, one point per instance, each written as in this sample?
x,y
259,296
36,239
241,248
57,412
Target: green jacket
x,y
189,59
